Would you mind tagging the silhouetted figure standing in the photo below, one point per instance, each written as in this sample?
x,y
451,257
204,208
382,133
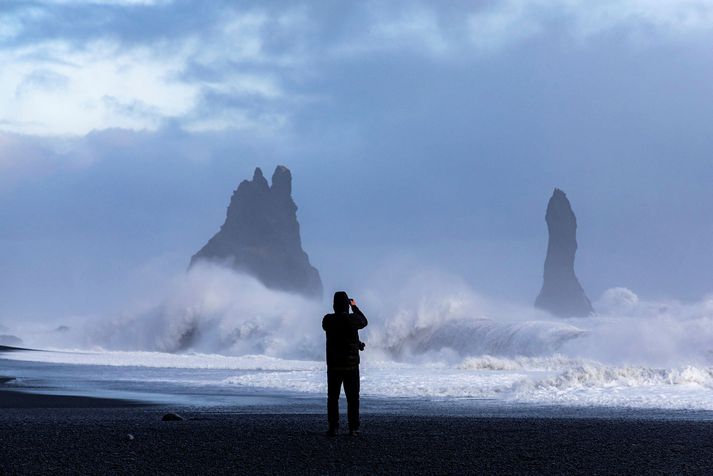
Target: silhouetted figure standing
x,y
343,348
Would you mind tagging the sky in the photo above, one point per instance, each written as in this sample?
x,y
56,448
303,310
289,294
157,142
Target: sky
x,y
423,136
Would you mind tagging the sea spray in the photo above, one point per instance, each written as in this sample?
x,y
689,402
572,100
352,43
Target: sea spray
x,y
428,317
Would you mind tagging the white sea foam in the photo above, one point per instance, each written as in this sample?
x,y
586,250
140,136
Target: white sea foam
x,y
489,362
552,380
164,360
431,337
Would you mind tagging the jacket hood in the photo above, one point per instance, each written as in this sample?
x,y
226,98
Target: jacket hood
x,y
341,302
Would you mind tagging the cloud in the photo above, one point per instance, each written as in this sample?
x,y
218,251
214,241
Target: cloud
x,y
505,22
62,90
390,28
203,80
148,3
140,64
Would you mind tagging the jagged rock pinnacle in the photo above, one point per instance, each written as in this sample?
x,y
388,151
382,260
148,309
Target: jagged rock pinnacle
x,y
261,236
282,181
259,179
561,293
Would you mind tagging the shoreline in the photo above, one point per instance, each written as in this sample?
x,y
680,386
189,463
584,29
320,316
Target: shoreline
x,y
14,396
221,388
18,399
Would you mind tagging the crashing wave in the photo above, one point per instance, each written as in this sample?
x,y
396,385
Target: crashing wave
x,y
596,375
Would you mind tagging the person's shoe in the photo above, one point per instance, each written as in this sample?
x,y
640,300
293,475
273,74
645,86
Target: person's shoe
x,y
332,432
354,433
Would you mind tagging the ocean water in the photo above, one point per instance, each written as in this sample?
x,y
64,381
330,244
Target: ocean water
x,y
207,344
211,379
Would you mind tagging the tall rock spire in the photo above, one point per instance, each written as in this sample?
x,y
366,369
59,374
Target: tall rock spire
x,y
261,236
561,293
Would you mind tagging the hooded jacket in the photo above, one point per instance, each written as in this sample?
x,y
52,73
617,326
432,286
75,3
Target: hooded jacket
x,y
343,336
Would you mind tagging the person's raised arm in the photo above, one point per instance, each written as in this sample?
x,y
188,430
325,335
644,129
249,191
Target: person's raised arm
x,y
326,322
358,318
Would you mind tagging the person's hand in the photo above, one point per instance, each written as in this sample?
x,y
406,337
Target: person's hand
x,y
352,302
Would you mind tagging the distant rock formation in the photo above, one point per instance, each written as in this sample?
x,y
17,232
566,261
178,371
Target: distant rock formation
x,y
261,236
11,340
561,293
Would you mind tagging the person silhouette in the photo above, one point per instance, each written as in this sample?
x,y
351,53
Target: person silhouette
x,y
343,346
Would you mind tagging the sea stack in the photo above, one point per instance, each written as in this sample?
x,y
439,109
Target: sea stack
x,y
561,293
261,236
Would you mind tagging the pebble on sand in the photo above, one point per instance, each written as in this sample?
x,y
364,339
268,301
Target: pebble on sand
x,y
172,417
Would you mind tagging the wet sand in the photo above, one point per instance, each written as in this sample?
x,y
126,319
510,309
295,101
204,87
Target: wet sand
x,y
16,399
82,440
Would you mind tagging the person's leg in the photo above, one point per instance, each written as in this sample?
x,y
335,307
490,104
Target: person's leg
x,y
334,387
351,389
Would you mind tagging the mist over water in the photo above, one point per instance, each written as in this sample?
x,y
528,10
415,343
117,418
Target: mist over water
x,y
428,316
429,335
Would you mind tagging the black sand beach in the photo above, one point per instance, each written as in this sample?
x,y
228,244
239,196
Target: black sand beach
x,y
81,437
13,399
